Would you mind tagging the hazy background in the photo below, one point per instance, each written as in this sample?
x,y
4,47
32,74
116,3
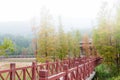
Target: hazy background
x,y
17,16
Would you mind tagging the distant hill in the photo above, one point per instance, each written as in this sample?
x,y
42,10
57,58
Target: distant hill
x,y
16,28
25,28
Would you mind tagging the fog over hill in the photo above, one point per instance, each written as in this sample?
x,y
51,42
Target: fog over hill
x,y
25,28
16,28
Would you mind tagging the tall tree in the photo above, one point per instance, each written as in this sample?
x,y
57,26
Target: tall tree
x,y
76,43
45,35
62,37
106,39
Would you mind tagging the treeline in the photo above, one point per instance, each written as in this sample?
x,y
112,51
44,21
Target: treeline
x,y
22,45
106,38
53,42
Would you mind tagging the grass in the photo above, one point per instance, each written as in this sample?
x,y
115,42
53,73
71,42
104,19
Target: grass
x,y
104,73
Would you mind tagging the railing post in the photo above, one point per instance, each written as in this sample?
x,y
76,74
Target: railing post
x,y
77,72
65,68
34,70
84,73
43,75
24,74
69,63
57,65
12,73
74,62
47,66
88,68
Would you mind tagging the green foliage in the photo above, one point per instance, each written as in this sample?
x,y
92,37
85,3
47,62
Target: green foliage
x,y
46,35
56,43
6,46
115,78
106,38
20,42
103,73
76,43
43,59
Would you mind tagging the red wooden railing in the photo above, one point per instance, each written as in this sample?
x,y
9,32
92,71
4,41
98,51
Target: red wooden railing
x,y
69,69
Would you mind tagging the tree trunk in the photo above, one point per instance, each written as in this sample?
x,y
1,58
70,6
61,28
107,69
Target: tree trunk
x,y
46,54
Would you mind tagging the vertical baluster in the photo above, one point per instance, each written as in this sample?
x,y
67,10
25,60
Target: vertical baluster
x,y
65,68
34,71
12,73
24,74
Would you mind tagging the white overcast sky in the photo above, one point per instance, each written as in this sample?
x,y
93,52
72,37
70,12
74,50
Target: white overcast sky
x,y
26,10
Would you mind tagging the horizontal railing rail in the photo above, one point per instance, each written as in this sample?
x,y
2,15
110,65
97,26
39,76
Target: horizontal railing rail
x,y
69,69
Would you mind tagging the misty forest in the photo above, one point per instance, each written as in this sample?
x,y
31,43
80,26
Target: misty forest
x,y
50,41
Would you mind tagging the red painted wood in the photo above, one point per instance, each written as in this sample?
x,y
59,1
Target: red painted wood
x,y
24,74
34,71
68,69
12,73
43,74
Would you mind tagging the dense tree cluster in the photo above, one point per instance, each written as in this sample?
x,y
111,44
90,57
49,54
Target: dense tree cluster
x,y
6,46
54,42
22,45
106,38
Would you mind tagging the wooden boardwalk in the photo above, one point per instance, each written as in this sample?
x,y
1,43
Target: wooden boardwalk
x,y
68,69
